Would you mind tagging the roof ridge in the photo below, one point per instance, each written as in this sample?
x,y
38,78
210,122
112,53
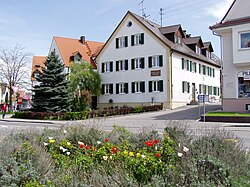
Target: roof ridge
x,y
88,48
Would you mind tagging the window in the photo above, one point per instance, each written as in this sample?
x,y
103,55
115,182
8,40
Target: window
x,y
155,61
192,66
185,64
137,63
121,88
178,40
208,54
121,65
244,84
107,89
121,42
245,40
137,39
185,87
107,67
156,86
201,88
36,74
198,50
213,72
138,87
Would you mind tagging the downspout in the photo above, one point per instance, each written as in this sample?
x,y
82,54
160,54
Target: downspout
x,y
171,79
221,70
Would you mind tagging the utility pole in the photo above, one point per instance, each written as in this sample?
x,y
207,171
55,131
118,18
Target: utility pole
x,y
161,14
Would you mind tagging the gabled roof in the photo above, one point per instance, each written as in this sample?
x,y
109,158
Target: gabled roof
x,y
37,64
193,40
155,29
208,45
67,46
229,10
172,29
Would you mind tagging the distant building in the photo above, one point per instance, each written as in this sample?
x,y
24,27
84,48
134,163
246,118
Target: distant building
x,y
143,63
68,50
234,30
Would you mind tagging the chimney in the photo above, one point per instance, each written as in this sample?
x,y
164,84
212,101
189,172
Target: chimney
x,y
82,40
185,33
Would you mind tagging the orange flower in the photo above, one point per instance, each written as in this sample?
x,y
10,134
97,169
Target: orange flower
x,y
114,150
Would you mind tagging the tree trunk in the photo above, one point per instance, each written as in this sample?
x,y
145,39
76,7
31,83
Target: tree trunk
x,y
10,99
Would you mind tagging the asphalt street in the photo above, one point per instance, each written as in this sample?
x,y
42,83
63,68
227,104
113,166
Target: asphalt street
x,y
185,116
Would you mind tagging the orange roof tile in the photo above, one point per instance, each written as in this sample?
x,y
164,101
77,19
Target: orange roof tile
x,y
68,46
37,64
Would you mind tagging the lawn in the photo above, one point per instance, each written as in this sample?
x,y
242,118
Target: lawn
x,y
226,114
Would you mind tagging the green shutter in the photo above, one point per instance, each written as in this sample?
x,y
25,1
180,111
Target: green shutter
x,y
183,63
195,67
183,86
213,73
215,91
187,65
188,87
200,68
191,67
204,70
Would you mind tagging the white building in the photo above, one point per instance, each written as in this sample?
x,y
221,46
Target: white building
x,y
234,30
143,63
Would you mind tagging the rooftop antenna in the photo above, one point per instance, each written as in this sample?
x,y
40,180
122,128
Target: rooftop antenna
x,y
161,14
144,15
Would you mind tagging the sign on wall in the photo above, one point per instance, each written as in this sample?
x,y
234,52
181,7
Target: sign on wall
x,y
155,73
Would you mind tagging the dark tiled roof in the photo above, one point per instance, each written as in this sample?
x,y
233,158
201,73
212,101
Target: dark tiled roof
x,y
170,29
231,23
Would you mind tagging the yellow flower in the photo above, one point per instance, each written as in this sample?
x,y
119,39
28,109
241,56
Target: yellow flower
x,y
125,152
131,154
51,141
68,143
138,154
235,141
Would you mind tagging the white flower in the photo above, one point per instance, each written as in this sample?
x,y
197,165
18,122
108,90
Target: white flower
x,y
80,142
63,149
50,138
64,131
110,157
98,142
68,143
143,156
185,149
45,144
105,157
180,154
68,153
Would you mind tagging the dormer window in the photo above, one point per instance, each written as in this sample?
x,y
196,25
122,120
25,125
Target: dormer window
x,y
208,54
178,40
36,74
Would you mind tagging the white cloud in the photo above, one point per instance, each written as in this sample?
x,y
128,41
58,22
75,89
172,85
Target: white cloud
x,y
220,9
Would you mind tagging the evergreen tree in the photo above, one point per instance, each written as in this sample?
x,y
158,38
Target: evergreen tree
x,y
51,95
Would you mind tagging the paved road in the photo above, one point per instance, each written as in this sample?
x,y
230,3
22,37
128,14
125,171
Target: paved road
x,y
154,120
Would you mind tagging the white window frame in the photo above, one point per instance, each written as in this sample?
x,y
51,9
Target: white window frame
x,y
240,39
122,42
185,87
208,54
198,50
178,40
106,67
155,87
107,89
156,61
137,87
137,39
122,88
137,63
121,65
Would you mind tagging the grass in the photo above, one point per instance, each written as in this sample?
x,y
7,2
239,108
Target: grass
x,y
227,114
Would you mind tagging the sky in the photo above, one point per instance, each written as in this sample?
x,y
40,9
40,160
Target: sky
x,y
33,23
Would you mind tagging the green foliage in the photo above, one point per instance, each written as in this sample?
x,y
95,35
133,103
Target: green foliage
x,y
84,83
51,95
138,109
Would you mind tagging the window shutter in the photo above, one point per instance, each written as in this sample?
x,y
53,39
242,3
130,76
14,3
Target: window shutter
x,y
213,73
126,64
117,88
200,89
161,60
188,87
142,63
205,89
215,90
142,86
200,68
150,86
133,87
132,63
204,70
111,66
195,68
111,88
132,40
191,67
126,41
218,92
150,62
117,65
117,43
126,88
103,67
183,86
103,89
183,63
142,38
160,85
188,65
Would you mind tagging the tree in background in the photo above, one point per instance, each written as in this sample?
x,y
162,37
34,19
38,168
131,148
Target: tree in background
x,y
51,95
84,83
14,69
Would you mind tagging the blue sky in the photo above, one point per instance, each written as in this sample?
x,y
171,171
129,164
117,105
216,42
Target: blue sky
x,y
33,23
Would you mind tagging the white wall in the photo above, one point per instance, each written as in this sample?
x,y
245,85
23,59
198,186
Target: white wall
x,y
242,7
151,46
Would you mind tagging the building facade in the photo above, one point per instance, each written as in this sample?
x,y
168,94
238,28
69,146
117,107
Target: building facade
x,y
144,64
234,30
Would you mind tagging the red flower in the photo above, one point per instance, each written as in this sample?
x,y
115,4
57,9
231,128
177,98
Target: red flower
x,y
149,143
106,140
157,155
81,145
156,141
94,148
87,147
114,150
